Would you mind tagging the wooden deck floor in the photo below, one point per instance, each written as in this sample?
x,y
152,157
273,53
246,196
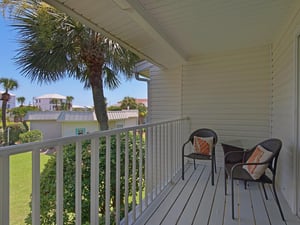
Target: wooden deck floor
x,y
196,201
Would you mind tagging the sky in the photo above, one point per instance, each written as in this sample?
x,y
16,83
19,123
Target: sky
x,y
66,87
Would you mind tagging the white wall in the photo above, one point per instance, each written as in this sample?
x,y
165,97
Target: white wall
x,y
164,94
284,108
230,93
69,128
50,129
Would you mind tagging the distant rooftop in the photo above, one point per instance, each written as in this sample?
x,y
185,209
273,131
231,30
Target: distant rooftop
x,y
51,96
78,116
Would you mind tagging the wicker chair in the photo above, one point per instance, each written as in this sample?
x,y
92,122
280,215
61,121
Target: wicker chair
x,y
203,132
235,160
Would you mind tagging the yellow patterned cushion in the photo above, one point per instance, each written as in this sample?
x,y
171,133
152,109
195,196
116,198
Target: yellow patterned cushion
x,y
203,145
260,154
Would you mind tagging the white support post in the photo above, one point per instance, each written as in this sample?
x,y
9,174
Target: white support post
x,y
4,190
36,187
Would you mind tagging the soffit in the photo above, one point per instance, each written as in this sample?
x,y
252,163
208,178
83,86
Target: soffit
x,y
170,32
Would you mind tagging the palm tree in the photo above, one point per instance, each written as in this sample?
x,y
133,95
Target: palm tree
x,y
8,85
69,100
55,102
55,46
128,103
21,100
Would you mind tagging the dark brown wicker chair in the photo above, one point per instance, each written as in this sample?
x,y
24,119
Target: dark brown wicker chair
x,y
235,159
203,132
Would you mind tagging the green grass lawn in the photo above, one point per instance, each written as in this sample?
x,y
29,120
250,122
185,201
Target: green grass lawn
x,y
20,185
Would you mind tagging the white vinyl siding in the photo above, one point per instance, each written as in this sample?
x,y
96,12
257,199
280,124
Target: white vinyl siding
x,y
164,94
230,93
284,108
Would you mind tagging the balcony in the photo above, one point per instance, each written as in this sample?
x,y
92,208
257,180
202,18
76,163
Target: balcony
x,y
158,196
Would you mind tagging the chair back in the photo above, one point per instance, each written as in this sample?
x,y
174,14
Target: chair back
x,y
204,132
273,145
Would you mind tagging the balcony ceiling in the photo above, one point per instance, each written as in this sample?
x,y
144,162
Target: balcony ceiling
x,y
170,32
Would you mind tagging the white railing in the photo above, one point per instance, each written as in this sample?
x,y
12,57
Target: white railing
x,y
152,163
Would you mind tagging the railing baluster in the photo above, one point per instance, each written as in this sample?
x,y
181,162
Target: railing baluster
x,y
78,182
146,167
126,177
59,185
36,187
94,181
151,154
4,190
140,171
134,176
118,146
107,181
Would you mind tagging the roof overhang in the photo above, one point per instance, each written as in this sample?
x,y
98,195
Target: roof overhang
x,y
169,33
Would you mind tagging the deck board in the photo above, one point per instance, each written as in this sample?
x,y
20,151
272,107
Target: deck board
x,y
195,201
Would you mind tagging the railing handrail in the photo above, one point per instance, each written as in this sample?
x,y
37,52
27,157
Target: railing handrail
x,y
151,156
36,146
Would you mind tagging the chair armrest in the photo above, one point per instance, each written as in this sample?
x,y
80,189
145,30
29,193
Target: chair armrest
x,y
235,156
243,164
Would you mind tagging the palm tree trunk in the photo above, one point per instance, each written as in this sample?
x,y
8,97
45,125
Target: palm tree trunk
x,y
99,102
4,104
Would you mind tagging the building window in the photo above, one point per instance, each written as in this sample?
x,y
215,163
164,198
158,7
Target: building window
x,y
79,131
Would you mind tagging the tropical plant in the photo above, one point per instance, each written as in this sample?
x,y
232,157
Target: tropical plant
x,y
31,136
142,112
48,186
20,112
69,100
8,85
21,100
54,46
15,130
57,103
128,103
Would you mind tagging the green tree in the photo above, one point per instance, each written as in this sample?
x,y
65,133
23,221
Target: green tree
x,y
142,112
48,188
21,100
8,85
20,112
57,103
114,108
69,100
31,136
15,130
54,46
128,103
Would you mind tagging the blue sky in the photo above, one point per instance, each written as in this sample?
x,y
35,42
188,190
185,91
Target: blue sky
x,y
67,87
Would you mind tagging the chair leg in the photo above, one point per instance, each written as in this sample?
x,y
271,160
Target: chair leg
x,y
194,164
212,172
263,186
215,164
182,162
277,201
225,179
232,198
245,184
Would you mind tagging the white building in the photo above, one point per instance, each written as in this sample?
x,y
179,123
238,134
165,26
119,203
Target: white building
x,y
57,124
45,102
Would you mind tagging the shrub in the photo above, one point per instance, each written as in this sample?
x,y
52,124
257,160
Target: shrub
x,y
31,136
48,189
14,131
